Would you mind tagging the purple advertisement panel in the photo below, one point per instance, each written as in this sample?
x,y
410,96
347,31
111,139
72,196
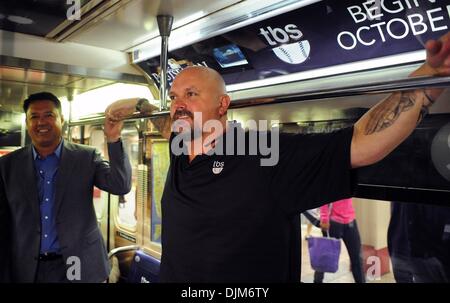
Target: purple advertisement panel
x,y
323,34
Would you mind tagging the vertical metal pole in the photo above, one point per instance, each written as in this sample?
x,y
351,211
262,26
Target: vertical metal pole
x,y
108,224
70,99
82,130
163,86
23,130
165,27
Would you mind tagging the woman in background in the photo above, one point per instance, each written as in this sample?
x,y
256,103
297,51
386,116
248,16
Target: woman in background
x,y
338,220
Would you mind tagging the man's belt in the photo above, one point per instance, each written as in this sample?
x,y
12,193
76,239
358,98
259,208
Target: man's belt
x,y
49,256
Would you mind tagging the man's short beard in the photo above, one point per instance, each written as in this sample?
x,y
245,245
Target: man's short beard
x,y
182,126
192,134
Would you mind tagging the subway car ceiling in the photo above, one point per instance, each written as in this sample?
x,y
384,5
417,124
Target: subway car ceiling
x,y
310,65
43,49
253,44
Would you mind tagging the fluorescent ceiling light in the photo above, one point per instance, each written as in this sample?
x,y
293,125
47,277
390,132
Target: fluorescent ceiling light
x,y
95,101
188,19
65,107
20,20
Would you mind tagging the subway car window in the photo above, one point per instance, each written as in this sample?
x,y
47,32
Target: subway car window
x,y
389,241
159,167
405,239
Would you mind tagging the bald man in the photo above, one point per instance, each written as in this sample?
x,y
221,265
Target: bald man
x,y
226,217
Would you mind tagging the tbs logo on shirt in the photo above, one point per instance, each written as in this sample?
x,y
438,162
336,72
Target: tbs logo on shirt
x,y
217,167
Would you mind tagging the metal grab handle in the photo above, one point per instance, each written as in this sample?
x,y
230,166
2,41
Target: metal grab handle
x,y
117,250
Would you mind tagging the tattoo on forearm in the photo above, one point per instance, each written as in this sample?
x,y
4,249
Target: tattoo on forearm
x,y
162,124
386,113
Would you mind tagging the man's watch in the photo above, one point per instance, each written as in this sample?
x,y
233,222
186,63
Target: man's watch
x,y
139,104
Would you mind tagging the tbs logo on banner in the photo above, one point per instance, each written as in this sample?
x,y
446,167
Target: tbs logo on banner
x,y
294,52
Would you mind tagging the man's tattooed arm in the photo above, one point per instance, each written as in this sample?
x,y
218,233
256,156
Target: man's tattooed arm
x,y
388,123
386,113
162,124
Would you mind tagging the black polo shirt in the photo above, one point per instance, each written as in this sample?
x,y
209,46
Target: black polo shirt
x,y
226,218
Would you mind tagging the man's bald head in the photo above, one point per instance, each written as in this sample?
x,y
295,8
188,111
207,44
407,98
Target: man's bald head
x,y
199,89
208,75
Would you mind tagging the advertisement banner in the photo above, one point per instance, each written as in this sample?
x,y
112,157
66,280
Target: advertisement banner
x,y
323,34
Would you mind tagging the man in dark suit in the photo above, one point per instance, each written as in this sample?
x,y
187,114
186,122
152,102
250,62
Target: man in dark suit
x,y
419,243
48,226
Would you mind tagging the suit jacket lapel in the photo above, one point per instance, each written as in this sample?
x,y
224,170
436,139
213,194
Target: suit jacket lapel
x,y
65,168
31,192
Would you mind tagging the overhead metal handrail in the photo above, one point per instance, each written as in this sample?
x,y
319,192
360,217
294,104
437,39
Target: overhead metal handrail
x,y
314,94
378,87
100,119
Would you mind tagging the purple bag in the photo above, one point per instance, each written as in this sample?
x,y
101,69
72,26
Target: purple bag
x,y
324,253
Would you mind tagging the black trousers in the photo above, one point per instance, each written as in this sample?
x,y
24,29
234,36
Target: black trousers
x,y
401,268
52,271
349,233
418,270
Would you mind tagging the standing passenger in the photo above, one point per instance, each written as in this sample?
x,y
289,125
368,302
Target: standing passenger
x,y
419,243
48,226
338,220
227,218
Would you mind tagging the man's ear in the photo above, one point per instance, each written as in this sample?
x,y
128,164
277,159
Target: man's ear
x,y
224,104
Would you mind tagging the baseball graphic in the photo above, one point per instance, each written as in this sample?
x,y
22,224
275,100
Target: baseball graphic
x,y
217,170
218,167
294,53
